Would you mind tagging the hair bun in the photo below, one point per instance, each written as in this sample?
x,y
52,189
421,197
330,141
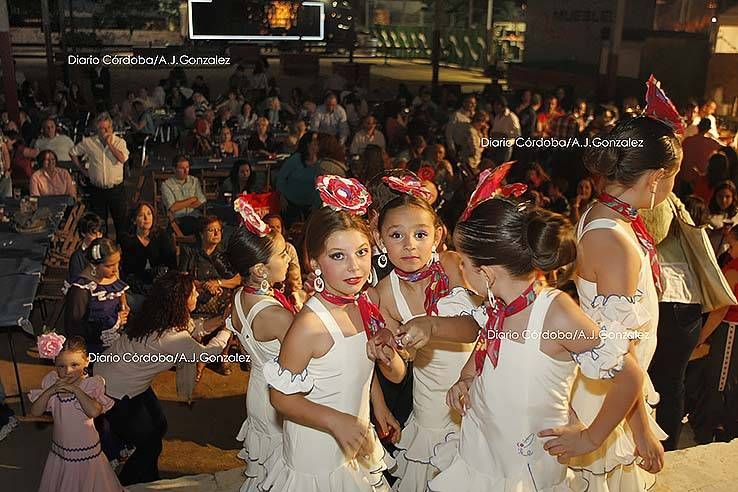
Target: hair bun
x,y
551,240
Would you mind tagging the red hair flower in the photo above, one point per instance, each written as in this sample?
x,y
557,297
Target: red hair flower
x,y
49,345
426,173
408,184
660,107
249,218
490,181
345,194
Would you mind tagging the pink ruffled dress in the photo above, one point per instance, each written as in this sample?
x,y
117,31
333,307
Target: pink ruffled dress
x,y
76,462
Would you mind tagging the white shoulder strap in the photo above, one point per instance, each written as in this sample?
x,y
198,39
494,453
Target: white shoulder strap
x,y
402,308
257,308
539,311
327,318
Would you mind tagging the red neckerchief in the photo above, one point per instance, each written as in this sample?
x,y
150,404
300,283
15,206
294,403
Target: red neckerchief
x,y
636,222
277,295
488,343
437,288
370,315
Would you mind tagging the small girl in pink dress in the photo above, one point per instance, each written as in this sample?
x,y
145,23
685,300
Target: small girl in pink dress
x,y
76,462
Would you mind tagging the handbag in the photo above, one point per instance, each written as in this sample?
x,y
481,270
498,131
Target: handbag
x,y
716,293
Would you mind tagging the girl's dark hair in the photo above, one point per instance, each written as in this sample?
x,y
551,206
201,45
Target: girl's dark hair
x,y
42,155
695,205
165,307
732,208
324,222
655,147
516,235
137,210
107,248
408,200
89,223
74,344
380,192
246,250
304,144
234,176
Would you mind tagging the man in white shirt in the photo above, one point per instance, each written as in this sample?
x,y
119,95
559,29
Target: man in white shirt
x,y
456,128
368,135
330,118
504,125
106,153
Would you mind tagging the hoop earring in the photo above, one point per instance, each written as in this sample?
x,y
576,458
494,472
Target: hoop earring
x,y
382,260
93,270
318,284
370,277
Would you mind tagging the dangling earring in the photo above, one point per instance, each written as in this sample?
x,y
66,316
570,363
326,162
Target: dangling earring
x,y
318,284
93,271
370,277
382,259
434,256
653,194
490,296
264,286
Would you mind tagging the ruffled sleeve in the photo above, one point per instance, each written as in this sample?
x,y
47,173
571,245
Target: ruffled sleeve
x,y
619,319
284,381
458,302
47,382
95,388
629,311
480,315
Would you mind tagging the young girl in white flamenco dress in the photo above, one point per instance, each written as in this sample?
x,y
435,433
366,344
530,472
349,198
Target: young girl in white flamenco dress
x,y
320,382
410,231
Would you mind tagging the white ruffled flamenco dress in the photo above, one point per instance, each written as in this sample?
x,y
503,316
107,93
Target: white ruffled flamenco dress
x,y
436,367
311,460
261,432
612,467
498,449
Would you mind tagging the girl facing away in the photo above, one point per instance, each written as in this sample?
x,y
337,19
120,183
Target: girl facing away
x,y
320,382
618,277
76,462
260,318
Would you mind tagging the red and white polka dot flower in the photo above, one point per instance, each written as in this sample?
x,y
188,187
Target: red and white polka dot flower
x,y
409,185
343,194
249,218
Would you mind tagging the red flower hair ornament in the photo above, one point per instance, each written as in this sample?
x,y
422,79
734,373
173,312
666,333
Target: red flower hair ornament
x,y
426,173
249,218
489,186
345,194
408,184
660,107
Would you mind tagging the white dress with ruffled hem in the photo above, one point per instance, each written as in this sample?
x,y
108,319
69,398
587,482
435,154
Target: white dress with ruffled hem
x,y
312,460
612,468
261,432
498,449
436,367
